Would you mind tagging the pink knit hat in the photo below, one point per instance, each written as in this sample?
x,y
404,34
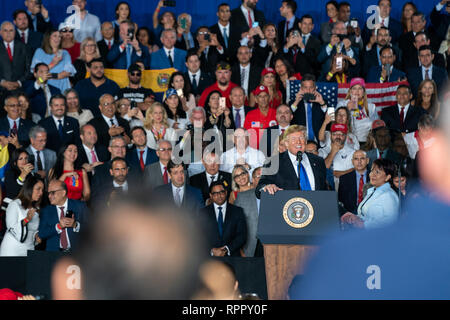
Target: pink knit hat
x,y
359,81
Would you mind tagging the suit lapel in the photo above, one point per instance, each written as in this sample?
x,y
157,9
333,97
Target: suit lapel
x,y
353,189
315,171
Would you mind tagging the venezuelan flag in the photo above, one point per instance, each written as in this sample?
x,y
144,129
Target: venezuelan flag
x,y
4,161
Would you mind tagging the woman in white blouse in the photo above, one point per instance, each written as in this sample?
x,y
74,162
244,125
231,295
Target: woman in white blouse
x,y
157,126
22,220
74,109
362,112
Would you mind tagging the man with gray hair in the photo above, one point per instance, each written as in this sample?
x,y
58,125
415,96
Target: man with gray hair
x,y
43,159
156,174
168,56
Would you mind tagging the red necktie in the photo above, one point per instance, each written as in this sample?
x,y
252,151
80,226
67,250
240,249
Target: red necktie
x,y
109,45
8,49
250,21
165,176
94,157
295,55
360,189
22,36
282,131
382,23
427,75
14,128
63,234
141,160
402,116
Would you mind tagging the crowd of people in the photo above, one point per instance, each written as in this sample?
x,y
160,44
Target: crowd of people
x,y
72,140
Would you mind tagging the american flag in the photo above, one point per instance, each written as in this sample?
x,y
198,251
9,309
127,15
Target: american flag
x,y
380,94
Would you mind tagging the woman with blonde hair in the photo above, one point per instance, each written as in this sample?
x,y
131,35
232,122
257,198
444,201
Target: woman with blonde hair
x,y
157,126
268,79
88,51
240,181
427,98
362,112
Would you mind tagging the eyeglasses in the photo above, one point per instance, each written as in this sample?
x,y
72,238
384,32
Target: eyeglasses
x,y
125,105
52,193
240,175
67,30
107,104
164,149
217,193
13,105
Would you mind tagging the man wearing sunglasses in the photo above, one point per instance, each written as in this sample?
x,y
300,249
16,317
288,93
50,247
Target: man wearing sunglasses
x,y
135,92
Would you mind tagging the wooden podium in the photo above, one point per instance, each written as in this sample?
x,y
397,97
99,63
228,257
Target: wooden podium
x,y
287,245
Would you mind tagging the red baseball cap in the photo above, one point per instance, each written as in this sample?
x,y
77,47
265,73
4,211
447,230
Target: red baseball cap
x,y
339,127
266,71
260,89
378,124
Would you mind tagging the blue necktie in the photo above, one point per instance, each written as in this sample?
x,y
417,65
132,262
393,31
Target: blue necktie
x,y
128,56
220,222
60,129
310,124
304,181
194,83
304,40
225,37
237,121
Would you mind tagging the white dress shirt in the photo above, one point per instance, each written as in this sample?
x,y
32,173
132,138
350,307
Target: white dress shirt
x,y
124,186
405,111
306,165
174,192
11,45
89,153
430,72
41,155
108,120
209,177
241,113
76,229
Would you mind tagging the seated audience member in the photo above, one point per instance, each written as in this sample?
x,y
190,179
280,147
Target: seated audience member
x,y
246,73
209,50
309,174
268,79
20,170
74,109
198,79
219,280
129,50
212,173
70,171
22,220
105,45
14,124
270,135
350,193
343,47
177,117
133,116
117,148
427,98
403,116
285,72
15,65
90,26
146,38
242,153
68,41
224,239
422,138
168,56
156,174
91,89
178,192
156,125
91,154
240,182
62,221
340,116
139,155
178,82
363,113
61,129
25,109
108,124
380,206
309,112
88,52
40,91
427,71
135,92
386,71
338,70
43,159
25,32
338,155
383,145
238,108
58,60
256,176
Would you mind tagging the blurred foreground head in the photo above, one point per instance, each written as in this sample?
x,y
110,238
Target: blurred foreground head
x,y
134,250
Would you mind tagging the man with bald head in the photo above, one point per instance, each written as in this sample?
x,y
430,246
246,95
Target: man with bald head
x,y
91,154
106,44
15,61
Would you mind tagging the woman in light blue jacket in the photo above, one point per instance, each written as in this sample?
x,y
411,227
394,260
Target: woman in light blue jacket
x,y
380,206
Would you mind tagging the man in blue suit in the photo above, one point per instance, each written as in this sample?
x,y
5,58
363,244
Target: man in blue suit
x,y
386,72
123,55
140,155
60,129
426,71
168,56
61,222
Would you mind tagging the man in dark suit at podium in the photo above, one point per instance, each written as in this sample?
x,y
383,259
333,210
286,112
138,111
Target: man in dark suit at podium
x,y
309,174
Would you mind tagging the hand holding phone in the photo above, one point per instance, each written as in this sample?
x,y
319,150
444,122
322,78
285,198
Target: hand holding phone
x,y
223,102
339,63
331,113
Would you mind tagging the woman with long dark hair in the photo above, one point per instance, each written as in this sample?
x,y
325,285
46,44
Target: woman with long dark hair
x,y
19,171
22,219
74,109
177,117
147,39
179,82
123,13
285,71
69,170
409,8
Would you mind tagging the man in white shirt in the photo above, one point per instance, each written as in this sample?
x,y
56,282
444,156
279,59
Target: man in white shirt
x,y
90,155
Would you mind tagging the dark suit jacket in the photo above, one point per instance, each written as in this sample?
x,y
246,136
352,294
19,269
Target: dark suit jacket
x,y
282,28
395,31
240,25
415,77
254,76
102,155
205,81
42,26
375,73
103,48
208,63
411,60
23,130
119,59
192,197
347,193
369,59
227,53
133,159
409,51
71,132
200,181
391,117
34,40
50,216
102,129
286,178
440,22
38,103
317,117
234,229
101,196
19,68
325,60
306,62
